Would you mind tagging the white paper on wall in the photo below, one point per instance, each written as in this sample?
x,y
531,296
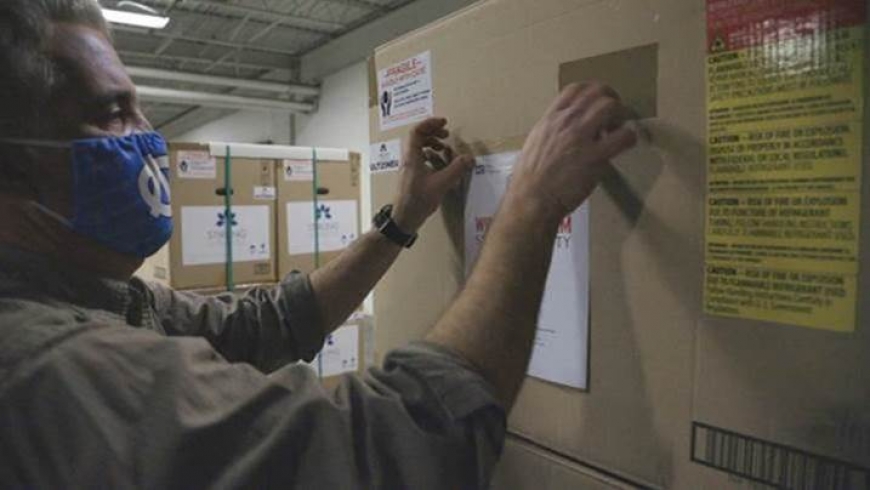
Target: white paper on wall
x,y
196,165
561,349
203,234
338,226
405,92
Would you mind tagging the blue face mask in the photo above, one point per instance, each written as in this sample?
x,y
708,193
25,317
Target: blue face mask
x,y
120,190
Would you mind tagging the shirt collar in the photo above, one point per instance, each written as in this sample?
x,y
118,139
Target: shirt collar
x,y
27,274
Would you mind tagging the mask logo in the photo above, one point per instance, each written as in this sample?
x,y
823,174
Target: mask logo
x,y
154,186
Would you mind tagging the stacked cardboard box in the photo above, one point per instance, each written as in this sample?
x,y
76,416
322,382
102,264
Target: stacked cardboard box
x,y
197,254
273,199
333,195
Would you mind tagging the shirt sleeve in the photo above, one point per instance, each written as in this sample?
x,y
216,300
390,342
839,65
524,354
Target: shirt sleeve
x,y
126,408
267,328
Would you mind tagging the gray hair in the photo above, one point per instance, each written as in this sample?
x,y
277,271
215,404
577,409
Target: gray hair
x,y
28,77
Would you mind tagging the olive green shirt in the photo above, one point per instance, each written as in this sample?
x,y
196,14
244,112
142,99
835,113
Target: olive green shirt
x,y
131,385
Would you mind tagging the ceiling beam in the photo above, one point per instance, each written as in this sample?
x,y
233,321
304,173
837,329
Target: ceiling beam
x,y
189,98
208,42
176,76
233,11
205,61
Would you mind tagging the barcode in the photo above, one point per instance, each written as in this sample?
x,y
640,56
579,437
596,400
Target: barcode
x,y
773,464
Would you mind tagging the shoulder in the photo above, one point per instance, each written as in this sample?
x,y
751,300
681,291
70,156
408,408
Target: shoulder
x,y
30,328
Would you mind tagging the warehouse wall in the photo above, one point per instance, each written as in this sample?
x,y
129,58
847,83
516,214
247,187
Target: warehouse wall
x,y
342,121
244,127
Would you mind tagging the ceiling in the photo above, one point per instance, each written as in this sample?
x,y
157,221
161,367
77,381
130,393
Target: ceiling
x,y
239,39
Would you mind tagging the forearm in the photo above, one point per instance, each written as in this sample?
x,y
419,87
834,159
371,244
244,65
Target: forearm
x,y
492,323
342,285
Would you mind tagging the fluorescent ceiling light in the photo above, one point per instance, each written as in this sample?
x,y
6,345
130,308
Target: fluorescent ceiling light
x,y
135,19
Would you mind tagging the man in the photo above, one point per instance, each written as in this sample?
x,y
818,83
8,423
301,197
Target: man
x,y
106,382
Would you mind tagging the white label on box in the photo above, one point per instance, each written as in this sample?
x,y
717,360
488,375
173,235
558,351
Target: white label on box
x,y
338,226
340,352
204,228
386,157
298,171
265,193
405,92
196,165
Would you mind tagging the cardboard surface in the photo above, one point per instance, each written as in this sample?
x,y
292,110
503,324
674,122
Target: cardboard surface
x,y
247,176
525,466
338,180
156,268
496,66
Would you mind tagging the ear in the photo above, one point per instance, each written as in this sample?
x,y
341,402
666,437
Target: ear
x,y
14,175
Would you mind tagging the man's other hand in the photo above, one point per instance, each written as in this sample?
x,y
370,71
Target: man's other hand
x,y
429,171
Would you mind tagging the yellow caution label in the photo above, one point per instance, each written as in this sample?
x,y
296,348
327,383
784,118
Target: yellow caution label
x,y
785,120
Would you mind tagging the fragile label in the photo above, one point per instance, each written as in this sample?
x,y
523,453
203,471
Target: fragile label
x,y
405,92
785,118
386,157
298,171
196,165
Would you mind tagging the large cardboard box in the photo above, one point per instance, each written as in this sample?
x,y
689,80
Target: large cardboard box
x,y
197,254
334,200
661,372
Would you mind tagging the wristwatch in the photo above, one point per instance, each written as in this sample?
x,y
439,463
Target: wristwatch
x,y
383,222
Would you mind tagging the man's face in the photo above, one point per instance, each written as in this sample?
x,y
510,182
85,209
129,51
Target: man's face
x,y
97,99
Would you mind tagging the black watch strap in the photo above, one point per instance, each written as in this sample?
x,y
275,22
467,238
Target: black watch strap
x,y
384,223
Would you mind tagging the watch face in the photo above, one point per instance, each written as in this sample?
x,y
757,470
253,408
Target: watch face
x,y
383,215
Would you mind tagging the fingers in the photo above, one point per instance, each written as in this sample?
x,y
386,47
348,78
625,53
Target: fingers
x,y
426,137
566,98
588,100
438,154
603,114
452,174
616,142
577,97
435,144
432,127
434,159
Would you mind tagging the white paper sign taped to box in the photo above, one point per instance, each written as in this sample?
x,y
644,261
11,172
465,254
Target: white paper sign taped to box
x,y
386,157
338,226
405,92
561,352
204,228
196,165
